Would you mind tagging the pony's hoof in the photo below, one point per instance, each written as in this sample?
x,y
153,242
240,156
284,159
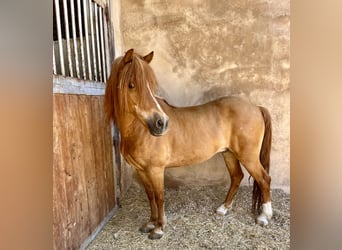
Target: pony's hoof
x,y
222,210
262,220
146,228
155,234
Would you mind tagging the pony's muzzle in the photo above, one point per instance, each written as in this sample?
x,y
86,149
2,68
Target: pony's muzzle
x,y
158,124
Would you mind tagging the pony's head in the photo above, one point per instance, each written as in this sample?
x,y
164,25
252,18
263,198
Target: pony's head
x,y
131,90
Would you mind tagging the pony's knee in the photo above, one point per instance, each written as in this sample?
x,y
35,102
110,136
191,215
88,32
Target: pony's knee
x,y
160,198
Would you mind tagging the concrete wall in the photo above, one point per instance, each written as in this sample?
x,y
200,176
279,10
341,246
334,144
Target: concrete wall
x,y
205,49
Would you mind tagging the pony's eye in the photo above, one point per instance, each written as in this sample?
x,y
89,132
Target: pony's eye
x,y
131,85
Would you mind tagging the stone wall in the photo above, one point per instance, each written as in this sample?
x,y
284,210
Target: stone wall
x,y
205,49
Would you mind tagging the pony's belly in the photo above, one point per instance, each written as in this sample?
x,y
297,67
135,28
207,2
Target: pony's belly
x,y
193,158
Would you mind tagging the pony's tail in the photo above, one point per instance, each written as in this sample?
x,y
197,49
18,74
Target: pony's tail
x,y
264,158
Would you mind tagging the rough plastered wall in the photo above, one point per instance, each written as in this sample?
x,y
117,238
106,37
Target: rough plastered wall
x,y
205,49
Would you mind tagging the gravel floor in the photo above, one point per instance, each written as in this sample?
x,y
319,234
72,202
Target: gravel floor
x,y
193,223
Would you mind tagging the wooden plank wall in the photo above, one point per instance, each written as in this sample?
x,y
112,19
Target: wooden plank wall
x,y
83,179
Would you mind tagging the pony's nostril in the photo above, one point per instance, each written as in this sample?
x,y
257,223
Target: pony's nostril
x,y
160,124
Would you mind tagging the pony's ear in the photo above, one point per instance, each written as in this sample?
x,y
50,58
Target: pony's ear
x,y
128,56
148,58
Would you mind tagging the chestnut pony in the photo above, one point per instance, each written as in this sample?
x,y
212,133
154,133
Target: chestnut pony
x,y
156,135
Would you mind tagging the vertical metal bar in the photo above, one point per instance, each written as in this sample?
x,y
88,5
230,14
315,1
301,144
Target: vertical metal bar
x,y
102,47
92,38
53,59
66,22
59,35
72,9
87,38
81,37
105,24
98,41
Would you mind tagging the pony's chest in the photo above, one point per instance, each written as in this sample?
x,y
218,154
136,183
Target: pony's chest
x,y
141,155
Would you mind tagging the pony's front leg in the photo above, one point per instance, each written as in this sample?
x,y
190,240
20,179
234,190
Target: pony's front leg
x,y
150,225
156,176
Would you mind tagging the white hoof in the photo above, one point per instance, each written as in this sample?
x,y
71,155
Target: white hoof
x,y
222,210
155,234
148,227
266,214
262,220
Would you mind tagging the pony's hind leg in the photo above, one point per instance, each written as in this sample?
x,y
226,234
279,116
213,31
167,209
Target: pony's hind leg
x,y
236,175
150,225
263,180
